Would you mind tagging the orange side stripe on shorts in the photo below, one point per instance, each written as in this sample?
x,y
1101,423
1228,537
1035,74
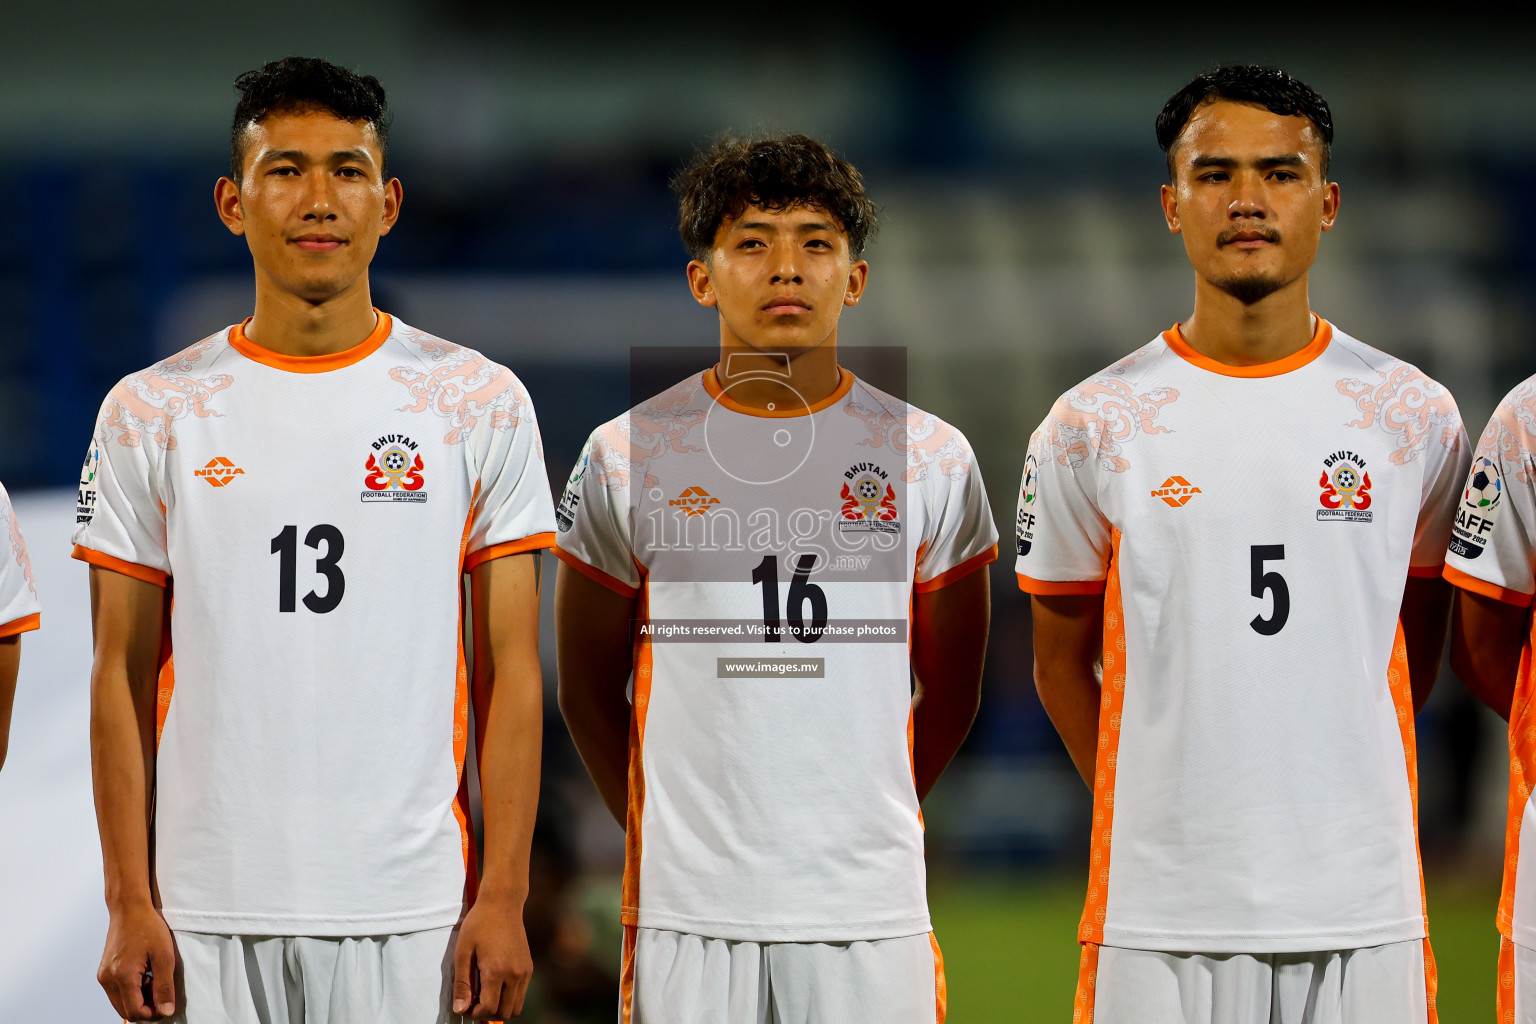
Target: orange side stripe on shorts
x,y
1504,1001
1087,979
940,986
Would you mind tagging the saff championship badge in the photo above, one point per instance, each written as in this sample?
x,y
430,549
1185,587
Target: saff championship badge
x,y
1478,510
1346,489
1025,533
394,471
869,501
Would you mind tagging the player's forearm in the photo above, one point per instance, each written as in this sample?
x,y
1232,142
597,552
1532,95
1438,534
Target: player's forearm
x,y
1486,641
1425,617
122,774
949,646
1071,700
510,744
939,727
599,725
10,661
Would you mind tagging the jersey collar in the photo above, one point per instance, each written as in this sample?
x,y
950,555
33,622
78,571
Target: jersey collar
x,y
1295,361
712,385
311,364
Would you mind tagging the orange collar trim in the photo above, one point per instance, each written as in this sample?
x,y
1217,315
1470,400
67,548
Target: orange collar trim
x,y
712,385
1295,361
311,364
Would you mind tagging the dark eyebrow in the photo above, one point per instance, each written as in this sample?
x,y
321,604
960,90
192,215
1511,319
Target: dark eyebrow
x,y
763,225
1263,163
298,156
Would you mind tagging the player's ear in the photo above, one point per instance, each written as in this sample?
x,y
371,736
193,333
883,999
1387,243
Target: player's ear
x,y
858,277
701,284
226,198
1170,200
394,195
1330,204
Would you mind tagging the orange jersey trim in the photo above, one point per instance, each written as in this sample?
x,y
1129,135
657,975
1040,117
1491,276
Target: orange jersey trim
x,y
24,624
536,542
1087,980
1321,336
1401,689
1493,590
595,574
629,909
711,379
134,569
1030,585
311,364
1112,700
960,571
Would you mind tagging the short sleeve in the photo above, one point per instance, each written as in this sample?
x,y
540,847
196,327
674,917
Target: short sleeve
x,y
513,511
1063,541
960,536
1448,458
1491,536
593,530
19,608
120,512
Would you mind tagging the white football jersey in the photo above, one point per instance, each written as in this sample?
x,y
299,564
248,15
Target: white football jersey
x,y
314,516
1492,552
1252,529
19,610
774,555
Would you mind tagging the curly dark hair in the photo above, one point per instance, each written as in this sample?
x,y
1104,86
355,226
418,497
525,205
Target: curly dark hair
x,y
1271,88
774,172
300,84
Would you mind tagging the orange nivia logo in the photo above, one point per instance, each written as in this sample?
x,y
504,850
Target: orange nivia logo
x,y
1176,491
219,471
695,501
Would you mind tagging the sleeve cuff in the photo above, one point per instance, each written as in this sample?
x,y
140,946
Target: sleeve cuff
x,y
21,625
1471,583
537,542
134,569
960,571
595,574
1030,585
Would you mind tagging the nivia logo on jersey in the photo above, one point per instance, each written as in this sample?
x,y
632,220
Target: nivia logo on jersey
x,y
395,471
869,501
1346,489
1026,525
1478,510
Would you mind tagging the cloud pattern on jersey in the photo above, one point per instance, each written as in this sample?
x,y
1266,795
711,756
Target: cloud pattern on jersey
x,y
627,446
147,403
461,387
18,546
1511,433
922,439
1409,406
1100,416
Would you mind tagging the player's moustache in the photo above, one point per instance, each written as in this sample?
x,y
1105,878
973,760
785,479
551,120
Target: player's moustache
x,y
1263,231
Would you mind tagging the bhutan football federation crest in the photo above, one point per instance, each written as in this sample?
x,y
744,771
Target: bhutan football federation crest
x,y
869,501
1346,489
1479,508
394,471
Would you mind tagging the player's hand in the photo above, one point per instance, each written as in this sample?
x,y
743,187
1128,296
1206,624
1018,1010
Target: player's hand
x,y
491,963
138,967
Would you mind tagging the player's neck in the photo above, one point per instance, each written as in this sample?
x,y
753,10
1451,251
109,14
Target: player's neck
x,y
292,326
1249,334
757,379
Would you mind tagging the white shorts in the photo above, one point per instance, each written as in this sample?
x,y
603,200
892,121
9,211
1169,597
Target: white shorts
x,y
265,979
1517,983
1386,984
678,978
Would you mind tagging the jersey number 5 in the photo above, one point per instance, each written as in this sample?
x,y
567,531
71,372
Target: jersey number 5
x,y
1261,582
286,546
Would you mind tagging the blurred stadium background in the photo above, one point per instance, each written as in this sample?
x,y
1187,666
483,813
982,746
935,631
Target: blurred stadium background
x,y
1021,248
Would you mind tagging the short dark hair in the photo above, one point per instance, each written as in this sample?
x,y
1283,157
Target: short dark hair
x,y
300,84
1271,88
774,172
